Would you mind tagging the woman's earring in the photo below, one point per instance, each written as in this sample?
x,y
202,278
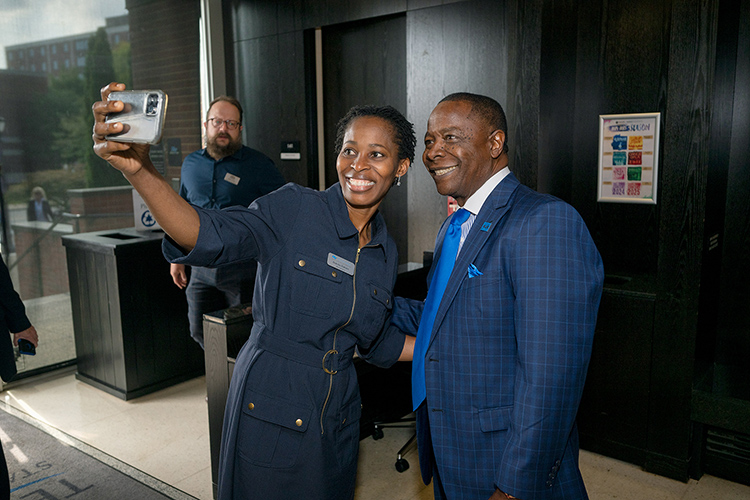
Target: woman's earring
x,y
398,181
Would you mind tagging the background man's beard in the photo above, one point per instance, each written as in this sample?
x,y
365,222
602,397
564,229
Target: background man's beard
x,y
216,151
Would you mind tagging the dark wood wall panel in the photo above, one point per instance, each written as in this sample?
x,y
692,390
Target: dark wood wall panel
x,y
589,81
256,19
683,175
365,63
734,327
290,96
613,416
633,44
273,98
328,12
635,57
450,48
523,106
557,91
717,196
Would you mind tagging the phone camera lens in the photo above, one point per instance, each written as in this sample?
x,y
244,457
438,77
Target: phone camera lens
x,y
151,104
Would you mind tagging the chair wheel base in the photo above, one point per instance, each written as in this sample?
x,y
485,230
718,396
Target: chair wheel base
x,y
402,465
377,434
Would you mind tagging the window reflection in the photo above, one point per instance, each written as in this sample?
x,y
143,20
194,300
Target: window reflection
x,y
53,59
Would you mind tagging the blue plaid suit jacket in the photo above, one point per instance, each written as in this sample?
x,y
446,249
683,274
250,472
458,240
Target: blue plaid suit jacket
x,y
509,351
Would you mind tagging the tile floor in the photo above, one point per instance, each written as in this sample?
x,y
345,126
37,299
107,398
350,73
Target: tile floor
x,y
165,435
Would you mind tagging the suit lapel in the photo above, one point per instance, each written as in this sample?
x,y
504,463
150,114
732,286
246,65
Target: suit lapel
x,y
492,212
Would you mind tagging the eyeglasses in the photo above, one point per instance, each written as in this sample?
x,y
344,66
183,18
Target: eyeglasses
x,y
218,122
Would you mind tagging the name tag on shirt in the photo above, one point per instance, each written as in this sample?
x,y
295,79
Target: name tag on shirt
x,y
341,264
232,178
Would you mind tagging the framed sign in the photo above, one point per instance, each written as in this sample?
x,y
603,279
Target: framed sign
x,y
628,157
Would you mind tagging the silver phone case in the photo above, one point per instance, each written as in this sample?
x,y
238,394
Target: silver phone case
x,y
143,115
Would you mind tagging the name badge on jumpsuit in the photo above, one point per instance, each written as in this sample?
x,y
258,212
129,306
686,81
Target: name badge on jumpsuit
x,y
341,264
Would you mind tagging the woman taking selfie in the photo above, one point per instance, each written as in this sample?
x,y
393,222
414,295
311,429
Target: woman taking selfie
x,y
326,268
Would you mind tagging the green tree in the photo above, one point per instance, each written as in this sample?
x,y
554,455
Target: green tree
x,y
68,132
99,71
121,63
56,117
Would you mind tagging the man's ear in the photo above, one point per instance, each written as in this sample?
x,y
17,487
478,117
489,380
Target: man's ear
x,y
497,143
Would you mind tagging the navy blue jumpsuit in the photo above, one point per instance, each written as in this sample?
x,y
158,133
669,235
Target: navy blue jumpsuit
x,y
291,428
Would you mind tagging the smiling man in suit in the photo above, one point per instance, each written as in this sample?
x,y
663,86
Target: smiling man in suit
x,y
504,336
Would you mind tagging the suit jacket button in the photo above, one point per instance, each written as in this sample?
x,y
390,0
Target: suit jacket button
x,y
251,406
549,484
299,422
301,263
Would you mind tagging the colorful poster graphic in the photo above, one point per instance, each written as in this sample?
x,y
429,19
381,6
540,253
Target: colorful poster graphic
x,y
628,157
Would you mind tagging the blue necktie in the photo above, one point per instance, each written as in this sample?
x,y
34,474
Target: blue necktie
x,y
432,303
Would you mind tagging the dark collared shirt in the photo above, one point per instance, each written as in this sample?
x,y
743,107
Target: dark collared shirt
x,y
234,180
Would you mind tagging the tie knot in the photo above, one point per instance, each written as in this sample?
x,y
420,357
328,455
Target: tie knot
x,y
461,216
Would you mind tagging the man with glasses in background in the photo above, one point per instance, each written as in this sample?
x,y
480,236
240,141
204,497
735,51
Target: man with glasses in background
x,y
223,174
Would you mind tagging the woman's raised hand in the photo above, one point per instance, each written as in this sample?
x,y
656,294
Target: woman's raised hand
x,y
128,158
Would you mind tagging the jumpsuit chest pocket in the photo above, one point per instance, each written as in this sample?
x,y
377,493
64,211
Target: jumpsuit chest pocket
x,y
271,430
315,286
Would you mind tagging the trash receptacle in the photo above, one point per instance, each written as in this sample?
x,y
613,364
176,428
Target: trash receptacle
x,y
129,319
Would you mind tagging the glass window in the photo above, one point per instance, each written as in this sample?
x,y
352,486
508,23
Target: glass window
x,y
47,143
31,240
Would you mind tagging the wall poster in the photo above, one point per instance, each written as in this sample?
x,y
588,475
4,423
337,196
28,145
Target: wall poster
x,y
628,157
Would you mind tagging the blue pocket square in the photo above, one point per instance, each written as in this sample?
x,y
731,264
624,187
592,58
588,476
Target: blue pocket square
x,y
473,271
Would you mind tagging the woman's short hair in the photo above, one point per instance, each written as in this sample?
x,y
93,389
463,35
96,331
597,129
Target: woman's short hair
x,y
403,130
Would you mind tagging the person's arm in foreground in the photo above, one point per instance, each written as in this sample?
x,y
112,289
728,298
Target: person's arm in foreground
x,y
14,310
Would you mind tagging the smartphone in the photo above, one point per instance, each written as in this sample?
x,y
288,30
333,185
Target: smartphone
x,y
142,117
26,347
